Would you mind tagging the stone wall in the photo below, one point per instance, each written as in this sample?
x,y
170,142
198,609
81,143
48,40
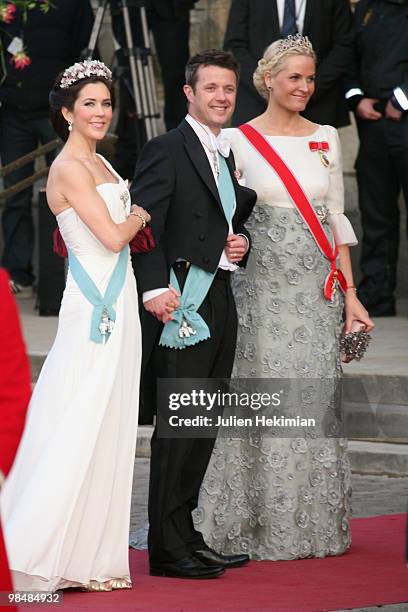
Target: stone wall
x,y
208,23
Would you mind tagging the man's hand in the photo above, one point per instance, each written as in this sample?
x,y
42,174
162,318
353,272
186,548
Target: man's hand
x,y
365,109
163,305
236,248
392,113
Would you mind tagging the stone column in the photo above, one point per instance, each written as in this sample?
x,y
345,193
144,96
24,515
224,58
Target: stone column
x,y
208,23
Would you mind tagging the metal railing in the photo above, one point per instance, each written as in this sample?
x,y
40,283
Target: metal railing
x,y
22,161
38,174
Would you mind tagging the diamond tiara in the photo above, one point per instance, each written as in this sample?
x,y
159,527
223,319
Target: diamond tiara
x,y
294,42
84,70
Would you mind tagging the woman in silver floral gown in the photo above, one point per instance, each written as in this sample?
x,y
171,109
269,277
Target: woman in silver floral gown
x,y
286,498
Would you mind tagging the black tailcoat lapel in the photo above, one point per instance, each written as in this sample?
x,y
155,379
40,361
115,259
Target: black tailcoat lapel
x,y
198,156
270,20
310,6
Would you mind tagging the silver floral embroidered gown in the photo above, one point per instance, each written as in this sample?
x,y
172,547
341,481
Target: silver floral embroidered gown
x,y
282,498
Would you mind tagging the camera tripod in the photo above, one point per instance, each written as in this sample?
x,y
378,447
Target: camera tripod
x,y
142,80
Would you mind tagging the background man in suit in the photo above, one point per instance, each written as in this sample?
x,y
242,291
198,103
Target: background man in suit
x,y
170,24
377,90
254,24
54,41
177,180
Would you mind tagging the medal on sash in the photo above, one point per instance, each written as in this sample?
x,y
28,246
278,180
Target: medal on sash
x,y
335,279
321,148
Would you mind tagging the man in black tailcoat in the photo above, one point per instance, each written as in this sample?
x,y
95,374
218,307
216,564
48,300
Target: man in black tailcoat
x,y
177,181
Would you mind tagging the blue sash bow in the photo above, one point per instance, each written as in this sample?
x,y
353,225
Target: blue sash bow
x,y
103,315
188,327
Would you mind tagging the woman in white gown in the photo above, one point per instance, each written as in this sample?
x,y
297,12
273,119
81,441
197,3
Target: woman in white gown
x,y
66,505
281,498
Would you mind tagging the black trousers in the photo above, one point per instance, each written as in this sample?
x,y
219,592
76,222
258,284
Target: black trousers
x,y
178,465
382,171
171,37
19,135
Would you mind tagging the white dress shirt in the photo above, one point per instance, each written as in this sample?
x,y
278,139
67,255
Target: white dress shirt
x,y
212,145
300,13
209,142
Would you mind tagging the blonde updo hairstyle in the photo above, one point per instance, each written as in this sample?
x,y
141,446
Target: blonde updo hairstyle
x,y
275,56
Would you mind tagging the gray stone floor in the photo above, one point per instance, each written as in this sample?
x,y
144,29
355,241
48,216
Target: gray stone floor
x,y
372,495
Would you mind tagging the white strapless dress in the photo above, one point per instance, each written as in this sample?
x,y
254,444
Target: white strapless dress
x,y
65,507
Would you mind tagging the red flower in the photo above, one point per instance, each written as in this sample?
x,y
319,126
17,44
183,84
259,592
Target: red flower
x,y
7,13
21,60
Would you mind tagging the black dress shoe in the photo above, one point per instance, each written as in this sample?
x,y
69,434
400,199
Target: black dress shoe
x,y
212,558
188,567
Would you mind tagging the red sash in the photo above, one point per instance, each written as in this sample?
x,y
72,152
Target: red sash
x,y
335,278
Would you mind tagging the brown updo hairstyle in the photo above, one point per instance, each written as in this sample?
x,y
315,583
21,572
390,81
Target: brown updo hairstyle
x,y
67,97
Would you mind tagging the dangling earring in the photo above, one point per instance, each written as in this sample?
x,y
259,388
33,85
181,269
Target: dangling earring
x,y
70,126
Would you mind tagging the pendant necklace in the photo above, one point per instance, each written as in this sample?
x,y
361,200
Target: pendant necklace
x,y
214,152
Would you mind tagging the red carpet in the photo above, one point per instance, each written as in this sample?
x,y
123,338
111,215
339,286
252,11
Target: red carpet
x,y
372,573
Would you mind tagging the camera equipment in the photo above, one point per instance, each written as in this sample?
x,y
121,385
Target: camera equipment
x,y
142,80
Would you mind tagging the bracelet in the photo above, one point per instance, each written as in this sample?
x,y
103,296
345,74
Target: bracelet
x,y
352,287
137,214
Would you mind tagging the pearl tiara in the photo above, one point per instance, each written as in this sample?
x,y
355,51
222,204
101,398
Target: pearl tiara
x,y
294,42
84,70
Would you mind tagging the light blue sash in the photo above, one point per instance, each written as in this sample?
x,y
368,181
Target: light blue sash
x,y
188,327
103,315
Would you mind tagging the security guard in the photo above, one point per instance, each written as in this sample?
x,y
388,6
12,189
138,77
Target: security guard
x,y
377,91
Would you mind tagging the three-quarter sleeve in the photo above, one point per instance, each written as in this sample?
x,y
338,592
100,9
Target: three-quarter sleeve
x,y
341,227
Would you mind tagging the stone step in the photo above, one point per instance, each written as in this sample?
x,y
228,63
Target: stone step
x,y
376,422
144,434
375,406
36,363
375,393
378,458
365,457
376,388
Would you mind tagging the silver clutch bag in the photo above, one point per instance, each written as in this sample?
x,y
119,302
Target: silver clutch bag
x,y
354,344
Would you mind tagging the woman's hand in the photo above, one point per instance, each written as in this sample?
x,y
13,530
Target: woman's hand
x,y
355,311
141,211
